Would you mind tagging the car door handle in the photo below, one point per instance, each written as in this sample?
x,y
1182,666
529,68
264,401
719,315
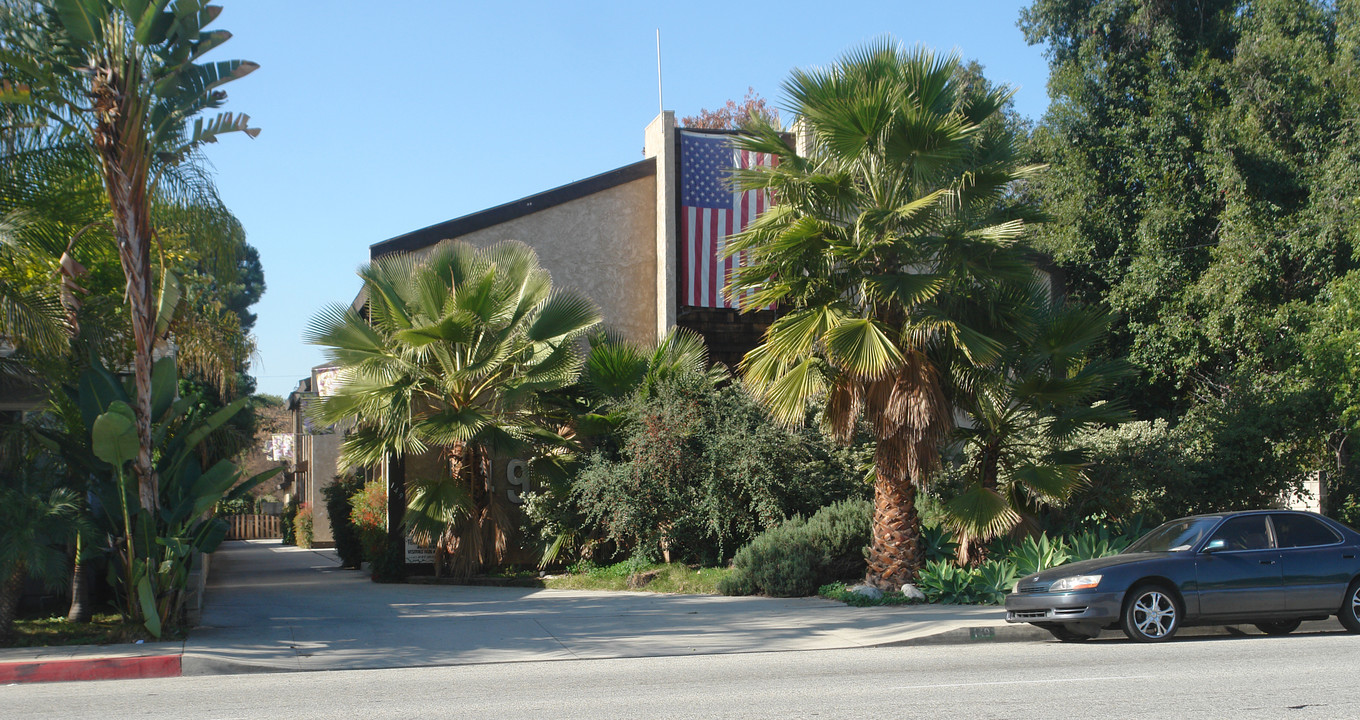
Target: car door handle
x,y
1267,562
1348,557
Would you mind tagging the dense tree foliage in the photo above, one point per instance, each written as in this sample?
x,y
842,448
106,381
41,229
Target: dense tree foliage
x,y
123,80
101,187
701,470
1203,184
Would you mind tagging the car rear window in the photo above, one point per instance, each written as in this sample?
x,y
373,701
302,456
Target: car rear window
x,y
1302,531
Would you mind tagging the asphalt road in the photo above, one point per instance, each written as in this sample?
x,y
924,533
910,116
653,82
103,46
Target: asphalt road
x,y
1225,677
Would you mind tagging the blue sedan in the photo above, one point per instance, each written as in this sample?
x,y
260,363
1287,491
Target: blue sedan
x,y
1271,568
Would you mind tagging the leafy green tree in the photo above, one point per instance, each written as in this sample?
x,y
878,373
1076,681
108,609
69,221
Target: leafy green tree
x,y
122,76
1332,363
1203,161
888,245
1200,154
456,354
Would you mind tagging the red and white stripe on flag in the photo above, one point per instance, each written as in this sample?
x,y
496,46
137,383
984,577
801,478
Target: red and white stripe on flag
x,y
710,212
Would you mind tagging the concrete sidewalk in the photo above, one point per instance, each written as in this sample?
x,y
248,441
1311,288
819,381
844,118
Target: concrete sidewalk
x,y
274,608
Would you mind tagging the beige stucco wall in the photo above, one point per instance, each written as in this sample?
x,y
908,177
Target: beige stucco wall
x,y
602,245
659,142
324,452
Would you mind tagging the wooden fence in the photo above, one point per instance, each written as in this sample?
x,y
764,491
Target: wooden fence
x,y
253,527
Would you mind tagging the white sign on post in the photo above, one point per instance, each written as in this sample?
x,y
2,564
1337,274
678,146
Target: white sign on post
x,y
416,554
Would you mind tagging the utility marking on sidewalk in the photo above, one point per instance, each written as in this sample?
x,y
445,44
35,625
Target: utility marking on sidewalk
x,y
1022,682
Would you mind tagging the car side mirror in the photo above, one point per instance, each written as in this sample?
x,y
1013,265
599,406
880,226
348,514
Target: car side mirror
x,y
1215,546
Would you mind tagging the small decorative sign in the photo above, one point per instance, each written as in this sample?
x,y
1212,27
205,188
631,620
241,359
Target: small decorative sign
x,y
418,555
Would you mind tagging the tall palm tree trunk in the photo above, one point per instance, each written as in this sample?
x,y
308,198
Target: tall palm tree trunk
x,y
896,552
121,142
10,590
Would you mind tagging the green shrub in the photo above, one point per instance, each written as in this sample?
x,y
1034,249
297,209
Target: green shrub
x,y
1242,450
348,546
368,512
702,471
237,506
302,524
782,562
797,557
286,522
388,560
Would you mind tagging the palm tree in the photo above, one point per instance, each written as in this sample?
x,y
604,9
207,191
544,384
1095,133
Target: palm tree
x,y
121,76
456,355
1022,415
886,245
31,318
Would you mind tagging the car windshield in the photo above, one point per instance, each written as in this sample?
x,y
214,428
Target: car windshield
x,y
1175,536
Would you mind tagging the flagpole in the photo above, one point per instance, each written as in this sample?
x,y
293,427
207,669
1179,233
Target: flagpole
x,y
660,98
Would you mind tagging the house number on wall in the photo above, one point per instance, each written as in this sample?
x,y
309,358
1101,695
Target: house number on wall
x,y
517,473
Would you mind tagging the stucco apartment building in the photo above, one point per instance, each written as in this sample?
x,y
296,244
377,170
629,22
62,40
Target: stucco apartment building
x,y
643,241
620,239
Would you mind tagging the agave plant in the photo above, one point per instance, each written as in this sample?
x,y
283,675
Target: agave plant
x,y
993,580
1036,553
944,582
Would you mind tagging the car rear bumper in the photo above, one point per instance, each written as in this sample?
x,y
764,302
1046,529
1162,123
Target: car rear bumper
x,y
1063,607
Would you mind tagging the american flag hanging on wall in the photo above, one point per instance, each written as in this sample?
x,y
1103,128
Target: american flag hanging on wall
x,y
710,211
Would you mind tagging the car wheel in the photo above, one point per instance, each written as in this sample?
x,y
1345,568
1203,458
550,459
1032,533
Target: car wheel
x,y
1349,614
1067,634
1151,614
1283,627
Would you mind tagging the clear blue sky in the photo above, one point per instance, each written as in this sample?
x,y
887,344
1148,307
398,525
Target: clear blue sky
x,y
380,118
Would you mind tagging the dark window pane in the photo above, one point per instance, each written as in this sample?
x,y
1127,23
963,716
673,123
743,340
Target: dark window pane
x,y
1302,531
1244,533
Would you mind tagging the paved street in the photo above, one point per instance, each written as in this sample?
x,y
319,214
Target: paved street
x,y
1305,676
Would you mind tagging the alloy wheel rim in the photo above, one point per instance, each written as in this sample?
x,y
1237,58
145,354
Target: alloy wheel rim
x,y
1154,615
1355,604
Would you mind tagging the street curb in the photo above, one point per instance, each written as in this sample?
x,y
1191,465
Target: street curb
x,y
983,634
976,635
123,668
193,666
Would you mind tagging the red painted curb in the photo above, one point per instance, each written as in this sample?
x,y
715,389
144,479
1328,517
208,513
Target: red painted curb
x,y
155,666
